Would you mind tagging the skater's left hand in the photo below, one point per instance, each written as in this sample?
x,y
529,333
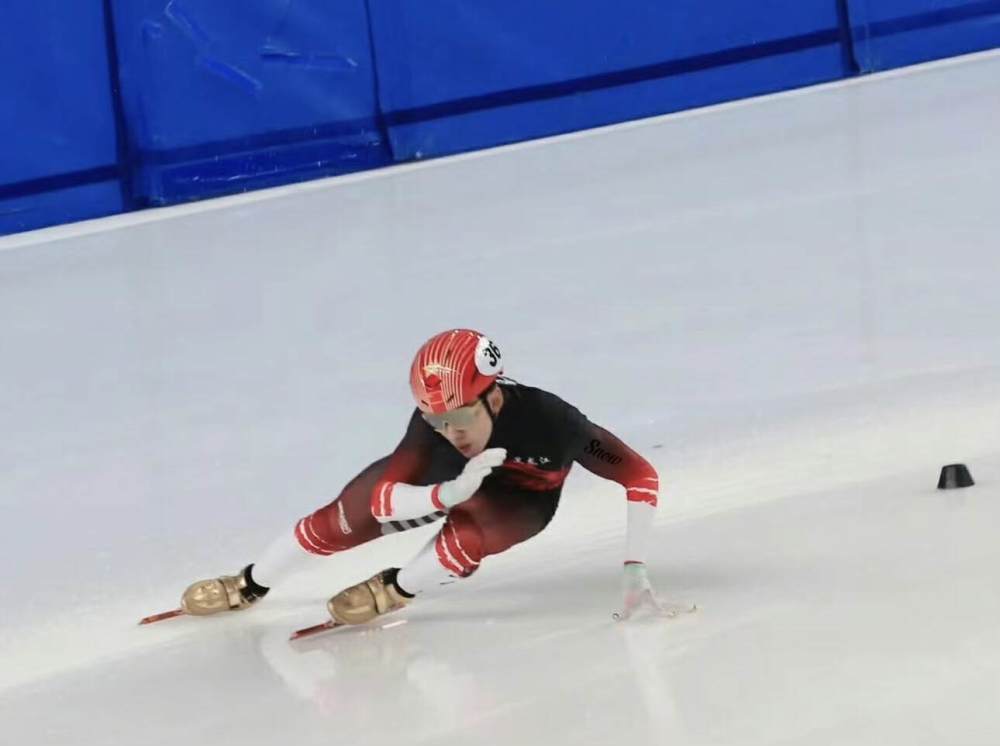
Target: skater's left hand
x,y
639,594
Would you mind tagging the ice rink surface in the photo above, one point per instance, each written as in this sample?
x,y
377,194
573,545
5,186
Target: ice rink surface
x,y
790,305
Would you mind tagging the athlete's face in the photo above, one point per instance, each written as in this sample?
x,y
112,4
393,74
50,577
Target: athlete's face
x,y
469,428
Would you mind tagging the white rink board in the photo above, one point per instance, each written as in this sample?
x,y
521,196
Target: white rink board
x,y
790,305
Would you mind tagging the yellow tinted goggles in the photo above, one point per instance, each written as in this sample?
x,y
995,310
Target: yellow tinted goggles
x,y
460,418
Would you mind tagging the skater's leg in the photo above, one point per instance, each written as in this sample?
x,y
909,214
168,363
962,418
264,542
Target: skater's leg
x,y
487,524
347,521
455,552
509,518
344,523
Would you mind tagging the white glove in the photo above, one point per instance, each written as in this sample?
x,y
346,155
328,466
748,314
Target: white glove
x,y
464,486
639,594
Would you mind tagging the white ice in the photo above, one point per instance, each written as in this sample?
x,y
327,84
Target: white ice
x,y
791,305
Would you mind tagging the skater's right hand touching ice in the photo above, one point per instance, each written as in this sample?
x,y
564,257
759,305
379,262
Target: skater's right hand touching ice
x,y
464,486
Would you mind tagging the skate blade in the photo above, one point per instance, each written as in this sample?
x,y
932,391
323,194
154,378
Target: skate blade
x,y
160,617
678,610
674,611
670,611
315,630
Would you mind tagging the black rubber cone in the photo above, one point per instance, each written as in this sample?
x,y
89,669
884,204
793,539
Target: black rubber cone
x,y
954,476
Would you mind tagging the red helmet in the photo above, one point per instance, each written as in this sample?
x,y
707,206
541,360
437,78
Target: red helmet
x,y
452,369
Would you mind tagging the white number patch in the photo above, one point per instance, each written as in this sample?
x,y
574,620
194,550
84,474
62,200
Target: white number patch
x,y
489,362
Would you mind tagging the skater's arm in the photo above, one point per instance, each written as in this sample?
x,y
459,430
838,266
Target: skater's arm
x,y
412,455
606,456
406,463
395,498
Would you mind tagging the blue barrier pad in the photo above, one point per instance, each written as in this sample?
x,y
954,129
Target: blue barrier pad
x,y
42,209
893,33
228,96
57,128
455,77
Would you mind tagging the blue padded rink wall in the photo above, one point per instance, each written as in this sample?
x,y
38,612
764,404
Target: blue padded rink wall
x,y
117,106
788,304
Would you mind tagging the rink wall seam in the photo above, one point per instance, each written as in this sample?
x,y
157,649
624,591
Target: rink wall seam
x,y
118,113
257,85
847,38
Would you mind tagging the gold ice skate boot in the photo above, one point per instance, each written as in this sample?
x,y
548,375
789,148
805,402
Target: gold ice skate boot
x,y
228,593
363,602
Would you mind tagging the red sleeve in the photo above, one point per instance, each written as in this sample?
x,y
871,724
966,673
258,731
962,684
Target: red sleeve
x,y
409,460
606,456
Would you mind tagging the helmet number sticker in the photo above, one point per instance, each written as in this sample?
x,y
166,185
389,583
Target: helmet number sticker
x,y
488,359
